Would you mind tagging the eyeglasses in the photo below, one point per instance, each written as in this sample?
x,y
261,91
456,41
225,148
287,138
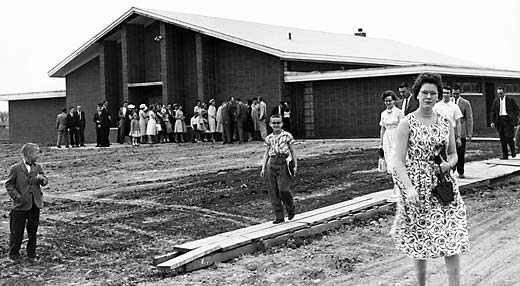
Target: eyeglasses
x,y
426,92
388,100
276,122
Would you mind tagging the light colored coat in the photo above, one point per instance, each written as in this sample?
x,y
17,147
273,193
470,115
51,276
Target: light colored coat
x,y
466,122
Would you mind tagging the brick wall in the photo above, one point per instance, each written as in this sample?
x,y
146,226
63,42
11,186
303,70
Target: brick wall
x,y
34,120
246,73
83,88
152,53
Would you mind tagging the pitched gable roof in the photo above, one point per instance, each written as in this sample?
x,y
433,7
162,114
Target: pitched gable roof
x,y
304,45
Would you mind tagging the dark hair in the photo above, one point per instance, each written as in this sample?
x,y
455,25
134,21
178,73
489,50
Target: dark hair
x,y
456,87
404,84
447,87
500,88
388,93
100,104
427,77
71,108
64,110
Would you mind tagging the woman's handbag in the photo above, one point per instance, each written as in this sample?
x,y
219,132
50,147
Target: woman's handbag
x,y
444,189
381,165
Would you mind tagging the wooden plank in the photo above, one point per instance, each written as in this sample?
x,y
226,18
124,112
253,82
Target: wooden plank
x,y
275,230
188,257
165,257
234,242
330,208
510,162
342,212
191,245
220,256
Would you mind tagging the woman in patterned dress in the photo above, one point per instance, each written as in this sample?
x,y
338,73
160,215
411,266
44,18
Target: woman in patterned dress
x,y
390,118
424,228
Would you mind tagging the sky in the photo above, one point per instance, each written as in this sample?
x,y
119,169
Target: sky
x,y
37,35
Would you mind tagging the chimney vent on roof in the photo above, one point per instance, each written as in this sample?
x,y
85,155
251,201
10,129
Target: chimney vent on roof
x,y
289,36
360,33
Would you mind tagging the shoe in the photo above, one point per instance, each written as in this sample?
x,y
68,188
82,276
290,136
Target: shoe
x,y
15,258
503,158
513,154
278,220
82,145
291,215
33,258
58,146
461,176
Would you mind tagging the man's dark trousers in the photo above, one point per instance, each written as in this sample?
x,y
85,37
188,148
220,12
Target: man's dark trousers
x,y
278,184
461,153
506,130
21,219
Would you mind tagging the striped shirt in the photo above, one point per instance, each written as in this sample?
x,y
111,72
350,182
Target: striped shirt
x,y
279,144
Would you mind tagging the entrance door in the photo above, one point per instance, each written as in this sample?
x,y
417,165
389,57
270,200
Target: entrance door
x,y
490,98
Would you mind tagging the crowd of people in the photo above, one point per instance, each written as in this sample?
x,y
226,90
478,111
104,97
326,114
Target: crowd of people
x,y
231,121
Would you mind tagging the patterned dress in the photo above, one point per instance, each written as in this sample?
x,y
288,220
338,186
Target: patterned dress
x,y
429,230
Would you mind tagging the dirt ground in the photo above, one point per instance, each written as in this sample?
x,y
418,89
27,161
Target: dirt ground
x,y
108,211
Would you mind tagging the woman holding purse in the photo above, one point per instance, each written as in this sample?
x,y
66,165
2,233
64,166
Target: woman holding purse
x,y
425,227
390,118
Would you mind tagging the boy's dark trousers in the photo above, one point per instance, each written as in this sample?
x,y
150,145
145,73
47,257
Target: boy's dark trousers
x,y
278,184
21,219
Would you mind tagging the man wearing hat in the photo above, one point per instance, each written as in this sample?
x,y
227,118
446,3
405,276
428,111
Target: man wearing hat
x,y
123,126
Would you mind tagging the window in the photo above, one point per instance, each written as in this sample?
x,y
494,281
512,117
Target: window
x,y
469,87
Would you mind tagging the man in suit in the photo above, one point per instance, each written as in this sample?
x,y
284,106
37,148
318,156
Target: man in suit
x,y
408,103
23,186
61,126
106,127
226,124
466,128
73,126
81,126
123,129
242,111
102,124
504,114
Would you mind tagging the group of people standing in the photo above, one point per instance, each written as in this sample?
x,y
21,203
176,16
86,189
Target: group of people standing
x,y
71,127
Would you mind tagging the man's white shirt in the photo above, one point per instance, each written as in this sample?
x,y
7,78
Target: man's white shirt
x,y
450,110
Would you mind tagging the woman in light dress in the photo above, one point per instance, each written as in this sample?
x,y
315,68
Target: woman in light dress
x,y
151,127
143,122
180,125
390,118
212,119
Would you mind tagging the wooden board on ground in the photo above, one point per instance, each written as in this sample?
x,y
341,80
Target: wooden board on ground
x,y
342,211
510,162
330,208
275,229
188,257
165,257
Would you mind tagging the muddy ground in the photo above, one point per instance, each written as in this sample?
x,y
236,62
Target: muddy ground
x,y
108,211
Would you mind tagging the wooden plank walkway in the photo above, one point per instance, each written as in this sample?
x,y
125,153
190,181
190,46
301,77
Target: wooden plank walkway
x,y
204,252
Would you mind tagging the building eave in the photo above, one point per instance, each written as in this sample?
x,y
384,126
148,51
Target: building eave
x,y
33,95
399,70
